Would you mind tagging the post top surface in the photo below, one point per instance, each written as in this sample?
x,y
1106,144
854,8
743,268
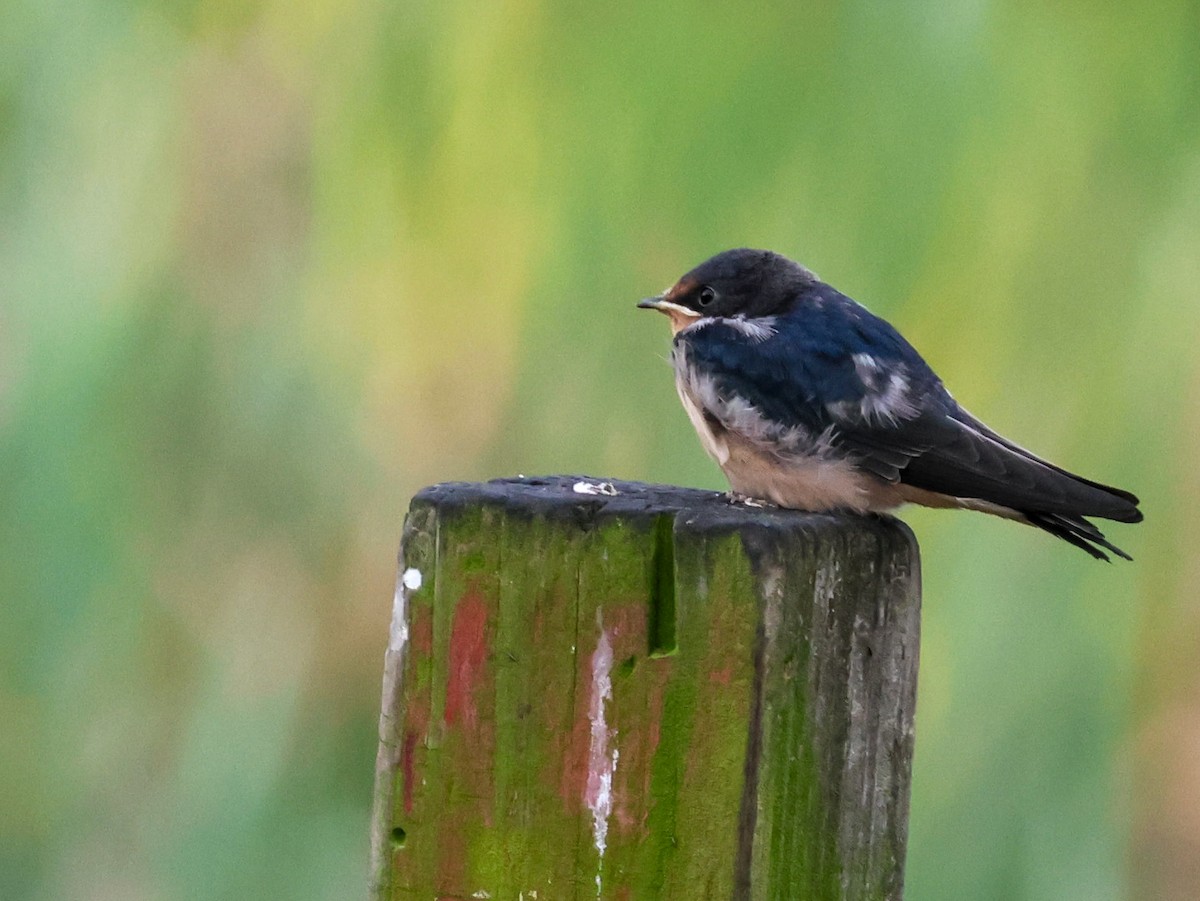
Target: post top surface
x,y
593,499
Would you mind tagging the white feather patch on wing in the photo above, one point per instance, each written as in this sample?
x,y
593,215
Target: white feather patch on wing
x,y
886,399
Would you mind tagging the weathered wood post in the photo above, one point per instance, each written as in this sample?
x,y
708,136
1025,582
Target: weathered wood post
x,y
625,691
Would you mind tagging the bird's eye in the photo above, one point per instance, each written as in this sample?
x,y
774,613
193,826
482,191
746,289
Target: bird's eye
x,y
707,296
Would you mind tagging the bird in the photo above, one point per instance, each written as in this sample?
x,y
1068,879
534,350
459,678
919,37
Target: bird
x,y
808,401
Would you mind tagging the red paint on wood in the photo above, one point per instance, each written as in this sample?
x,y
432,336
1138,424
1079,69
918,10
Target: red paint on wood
x,y
406,763
601,756
420,631
573,781
722,676
469,740
417,711
452,858
632,798
468,653
577,783
632,716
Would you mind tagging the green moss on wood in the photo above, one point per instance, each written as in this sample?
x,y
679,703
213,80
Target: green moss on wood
x,y
754,660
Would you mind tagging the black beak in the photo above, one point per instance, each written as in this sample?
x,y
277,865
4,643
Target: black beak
x,y
650,303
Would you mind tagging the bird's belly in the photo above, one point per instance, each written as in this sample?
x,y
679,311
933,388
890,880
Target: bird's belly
x,y
804,483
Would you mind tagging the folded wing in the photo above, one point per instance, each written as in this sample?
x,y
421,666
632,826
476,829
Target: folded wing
x,y
858,381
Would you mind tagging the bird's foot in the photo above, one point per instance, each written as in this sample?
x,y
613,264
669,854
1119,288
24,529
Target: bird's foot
x,y
748,501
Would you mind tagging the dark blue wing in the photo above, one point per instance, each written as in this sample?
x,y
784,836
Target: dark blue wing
x,y
806,372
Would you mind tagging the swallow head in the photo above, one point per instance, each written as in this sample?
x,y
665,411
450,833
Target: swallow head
x,y
744,283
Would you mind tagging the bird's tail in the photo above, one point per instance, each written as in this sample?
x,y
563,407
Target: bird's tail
x,y
1079,532
1078,498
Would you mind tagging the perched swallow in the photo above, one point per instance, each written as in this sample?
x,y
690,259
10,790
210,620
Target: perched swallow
x,y
808,401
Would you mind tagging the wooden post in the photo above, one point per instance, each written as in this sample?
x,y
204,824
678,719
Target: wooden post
x,y
624,691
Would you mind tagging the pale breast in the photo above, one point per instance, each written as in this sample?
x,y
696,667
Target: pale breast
x,y
712,442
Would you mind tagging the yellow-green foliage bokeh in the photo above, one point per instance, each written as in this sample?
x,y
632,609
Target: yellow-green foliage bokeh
x,y
266,269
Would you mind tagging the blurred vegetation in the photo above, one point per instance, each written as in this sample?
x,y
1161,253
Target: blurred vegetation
x,y
266,269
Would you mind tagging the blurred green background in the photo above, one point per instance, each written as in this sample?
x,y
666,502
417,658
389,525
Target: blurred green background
x,y
266,269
